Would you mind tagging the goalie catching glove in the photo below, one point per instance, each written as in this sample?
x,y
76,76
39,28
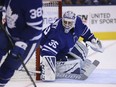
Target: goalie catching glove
x,y
95,44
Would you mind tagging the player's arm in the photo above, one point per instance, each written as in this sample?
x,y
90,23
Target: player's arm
x,y
34,20
32,12
90,39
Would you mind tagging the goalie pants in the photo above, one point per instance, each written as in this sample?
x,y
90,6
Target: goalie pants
x,y
11,63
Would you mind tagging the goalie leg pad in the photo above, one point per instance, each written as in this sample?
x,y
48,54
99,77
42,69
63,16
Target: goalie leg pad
x,y
70,66
79,51
48,68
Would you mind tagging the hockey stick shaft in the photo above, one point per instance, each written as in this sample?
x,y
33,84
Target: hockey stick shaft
x,y
21,59
82,76
19,56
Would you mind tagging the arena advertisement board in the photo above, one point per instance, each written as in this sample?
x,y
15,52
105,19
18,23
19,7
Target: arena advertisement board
x,y
97,18
50,14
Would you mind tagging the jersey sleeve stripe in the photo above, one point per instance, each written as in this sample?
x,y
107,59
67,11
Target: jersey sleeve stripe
x,y
90,36
35,25
36,37
43,49
85,31
45,46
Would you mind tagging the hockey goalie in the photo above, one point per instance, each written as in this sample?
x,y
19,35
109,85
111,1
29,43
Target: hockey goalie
x,y
63,56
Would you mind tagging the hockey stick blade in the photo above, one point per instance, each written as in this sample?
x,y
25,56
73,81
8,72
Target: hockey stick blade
x,y
90,69
71,76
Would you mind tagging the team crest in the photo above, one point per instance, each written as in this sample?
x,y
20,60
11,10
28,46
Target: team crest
x,y
11,18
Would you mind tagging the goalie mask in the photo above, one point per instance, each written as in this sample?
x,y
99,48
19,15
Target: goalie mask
x,y
68,21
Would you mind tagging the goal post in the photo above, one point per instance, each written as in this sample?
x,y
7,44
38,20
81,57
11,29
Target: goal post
x,y
53,7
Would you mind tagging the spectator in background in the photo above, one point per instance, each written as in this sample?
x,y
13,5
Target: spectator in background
x,y
78,2
88,2
105,2
113,2
96,2
67,2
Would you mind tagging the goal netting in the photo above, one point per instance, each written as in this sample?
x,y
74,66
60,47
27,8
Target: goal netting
x,y
52,9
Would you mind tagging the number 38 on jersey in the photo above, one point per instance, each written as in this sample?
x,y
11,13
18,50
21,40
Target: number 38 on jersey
x,y
36,13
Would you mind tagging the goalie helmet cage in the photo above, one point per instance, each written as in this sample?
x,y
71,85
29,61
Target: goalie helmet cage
x,y
48,3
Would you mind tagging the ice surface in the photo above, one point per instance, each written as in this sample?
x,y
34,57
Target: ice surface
x,y
103,76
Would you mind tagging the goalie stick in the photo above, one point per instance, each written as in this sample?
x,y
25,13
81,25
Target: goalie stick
x,y
82,76
19,56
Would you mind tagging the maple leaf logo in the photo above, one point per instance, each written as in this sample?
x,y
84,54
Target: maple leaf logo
x,y
11,18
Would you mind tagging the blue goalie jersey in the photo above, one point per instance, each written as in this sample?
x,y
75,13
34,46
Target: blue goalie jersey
x,y
24,19
56,42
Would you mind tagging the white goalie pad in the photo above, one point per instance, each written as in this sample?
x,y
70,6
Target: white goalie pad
x,y
70,66
79,49
48,68
96,45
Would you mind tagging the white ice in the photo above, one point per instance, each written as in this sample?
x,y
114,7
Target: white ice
x,y
103,76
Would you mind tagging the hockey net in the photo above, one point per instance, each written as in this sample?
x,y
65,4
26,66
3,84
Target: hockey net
x,y
52,9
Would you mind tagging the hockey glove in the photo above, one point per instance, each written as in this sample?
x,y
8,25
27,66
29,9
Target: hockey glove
x,y
95,44
19,48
